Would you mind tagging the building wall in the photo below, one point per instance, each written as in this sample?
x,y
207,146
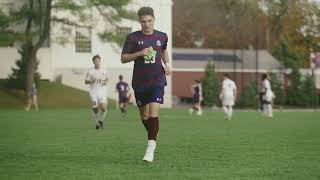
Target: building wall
x,y
9,56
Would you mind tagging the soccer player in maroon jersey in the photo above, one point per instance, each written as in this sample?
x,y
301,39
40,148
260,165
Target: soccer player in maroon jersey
x,y
122,89
148,49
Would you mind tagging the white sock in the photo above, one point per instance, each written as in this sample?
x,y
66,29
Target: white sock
x,y
265,109
152,144
96,117
230,112
225,110
102,115
270,110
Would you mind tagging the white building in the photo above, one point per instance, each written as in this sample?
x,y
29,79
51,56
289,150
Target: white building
x,y
72,60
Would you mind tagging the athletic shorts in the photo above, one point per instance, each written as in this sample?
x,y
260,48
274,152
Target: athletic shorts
x,y
123,99
196,99
154,94
98,98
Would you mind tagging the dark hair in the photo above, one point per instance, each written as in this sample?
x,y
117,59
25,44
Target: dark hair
x,y
197,81
264,76
144,11
96,56
226,75
120,77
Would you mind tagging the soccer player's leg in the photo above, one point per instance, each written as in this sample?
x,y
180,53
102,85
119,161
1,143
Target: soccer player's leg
x,y
143,108
103,103
95,110
144,115
154,101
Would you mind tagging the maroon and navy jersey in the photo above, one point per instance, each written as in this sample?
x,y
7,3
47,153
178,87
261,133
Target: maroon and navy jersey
x,y
122,88
148,71
196,91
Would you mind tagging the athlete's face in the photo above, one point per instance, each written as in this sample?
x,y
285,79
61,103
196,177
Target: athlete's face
x,y
97,62
147,24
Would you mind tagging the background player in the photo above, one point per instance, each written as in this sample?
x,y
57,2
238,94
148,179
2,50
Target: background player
x,y
122,89
97,79
228,96
147,48
267,97
197,97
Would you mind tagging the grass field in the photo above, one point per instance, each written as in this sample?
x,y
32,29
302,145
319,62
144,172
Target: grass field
x,y
62,144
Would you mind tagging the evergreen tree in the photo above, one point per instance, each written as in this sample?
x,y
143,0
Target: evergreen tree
x,y
308,88
278,90
210,85
294,95
249,96
18,78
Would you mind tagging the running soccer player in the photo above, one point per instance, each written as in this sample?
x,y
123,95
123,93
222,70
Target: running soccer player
x,y
228,96
268,96
122,89
197,98
97,80
148,49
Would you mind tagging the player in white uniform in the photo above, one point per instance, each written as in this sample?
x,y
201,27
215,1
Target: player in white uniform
x,y
97,79
267,97
228,96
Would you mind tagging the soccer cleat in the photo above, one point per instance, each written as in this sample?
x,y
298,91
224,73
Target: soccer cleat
x,y
190,111
101,124
97,126
148,157
199,113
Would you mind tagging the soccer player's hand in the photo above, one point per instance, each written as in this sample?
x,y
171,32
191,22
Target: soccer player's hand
x,y
144,52
167,69
104,82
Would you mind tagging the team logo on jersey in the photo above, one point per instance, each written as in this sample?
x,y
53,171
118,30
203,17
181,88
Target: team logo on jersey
x,y
140,42
158,43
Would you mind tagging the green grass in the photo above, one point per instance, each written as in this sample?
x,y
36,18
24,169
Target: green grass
x,y
50,94
62,144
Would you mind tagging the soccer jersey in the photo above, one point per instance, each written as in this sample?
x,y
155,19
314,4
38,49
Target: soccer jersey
x,y
122,88
197,93
266,87
228,87
148,71
99,76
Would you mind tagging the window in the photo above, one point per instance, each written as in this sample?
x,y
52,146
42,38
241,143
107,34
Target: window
x,y
124,31
83,40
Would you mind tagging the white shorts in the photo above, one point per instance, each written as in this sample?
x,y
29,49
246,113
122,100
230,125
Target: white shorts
x,y
227,101
98,98
269,96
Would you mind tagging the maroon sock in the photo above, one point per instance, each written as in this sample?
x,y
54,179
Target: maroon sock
x,y
154,128
146,124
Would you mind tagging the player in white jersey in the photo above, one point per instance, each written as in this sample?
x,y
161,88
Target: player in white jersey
x,y
267,97
97,79
228,96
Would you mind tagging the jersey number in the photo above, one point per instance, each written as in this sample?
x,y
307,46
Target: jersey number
x,y
151,60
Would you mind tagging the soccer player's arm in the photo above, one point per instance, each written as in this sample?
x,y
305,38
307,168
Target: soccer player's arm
x,y
127,54
165,58
88,79
235,92
220,95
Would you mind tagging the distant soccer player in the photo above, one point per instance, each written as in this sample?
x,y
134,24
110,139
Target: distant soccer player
x,y
147,48
268,96
33,98
197,97
122,89
97,79
228,96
